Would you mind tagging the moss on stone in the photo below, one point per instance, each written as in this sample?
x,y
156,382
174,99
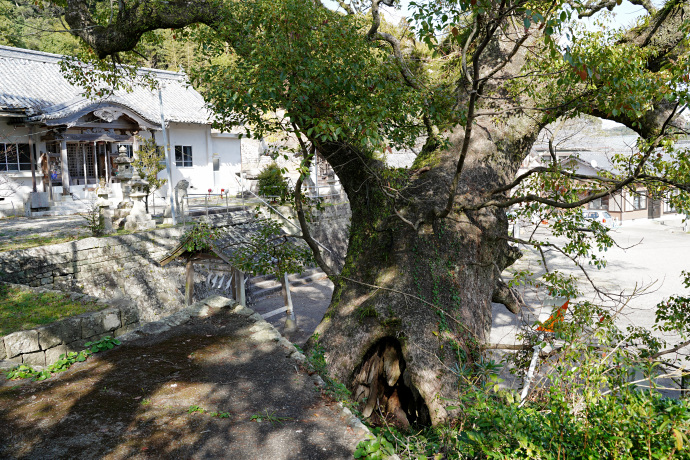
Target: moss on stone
x,y
22,309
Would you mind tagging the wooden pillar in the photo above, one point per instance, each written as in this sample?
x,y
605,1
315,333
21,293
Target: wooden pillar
x,y
32,156
108,149
189,283
233,285
287,298
83,156
135,146
64,167
45,171
240,295
95,160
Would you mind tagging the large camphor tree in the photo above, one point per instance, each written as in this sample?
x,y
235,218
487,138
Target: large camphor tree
x,y
476,81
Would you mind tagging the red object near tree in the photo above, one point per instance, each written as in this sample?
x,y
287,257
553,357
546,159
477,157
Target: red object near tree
x,y
555,318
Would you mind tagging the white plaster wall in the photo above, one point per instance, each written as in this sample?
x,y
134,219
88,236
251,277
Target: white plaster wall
x,y
201,172
205,147
228,149
15,186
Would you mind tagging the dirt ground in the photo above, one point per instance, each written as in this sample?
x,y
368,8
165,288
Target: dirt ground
x,y
136,401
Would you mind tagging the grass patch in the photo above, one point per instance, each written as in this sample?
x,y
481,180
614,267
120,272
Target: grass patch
x,y
9,242
21,310
34,241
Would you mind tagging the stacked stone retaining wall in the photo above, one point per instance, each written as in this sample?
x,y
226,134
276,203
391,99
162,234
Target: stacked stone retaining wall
x,y
330,226
115,267
44,345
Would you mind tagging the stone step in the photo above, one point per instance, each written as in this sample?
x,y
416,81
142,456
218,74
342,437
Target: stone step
x,y
214,210
58,211
266,285
260,279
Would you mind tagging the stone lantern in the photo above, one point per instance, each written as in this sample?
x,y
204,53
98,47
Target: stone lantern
x,y
138,218
137,187
124,172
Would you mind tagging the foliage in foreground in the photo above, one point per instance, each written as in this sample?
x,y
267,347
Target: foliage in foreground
x,y
598,396
270,250
632,425
63,363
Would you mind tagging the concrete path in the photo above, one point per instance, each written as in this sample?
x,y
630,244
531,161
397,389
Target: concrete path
x,y
648,260
310,302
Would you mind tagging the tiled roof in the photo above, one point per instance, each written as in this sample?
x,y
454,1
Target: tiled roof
x,y
234,231
588,147
31,82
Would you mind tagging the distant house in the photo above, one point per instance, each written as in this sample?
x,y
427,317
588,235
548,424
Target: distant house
x,y
591,155
43,116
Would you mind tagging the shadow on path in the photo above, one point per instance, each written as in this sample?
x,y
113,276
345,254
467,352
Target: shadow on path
x,y
134,401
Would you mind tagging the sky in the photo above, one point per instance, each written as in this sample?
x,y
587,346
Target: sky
x,y
626,13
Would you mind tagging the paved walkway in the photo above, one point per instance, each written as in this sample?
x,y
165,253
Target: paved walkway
x,y
215,387
309,301
19,232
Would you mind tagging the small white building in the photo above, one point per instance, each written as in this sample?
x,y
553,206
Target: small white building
x,y
54,140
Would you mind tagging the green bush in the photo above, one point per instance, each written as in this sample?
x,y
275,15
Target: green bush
x,y
272,182
598,397
631,425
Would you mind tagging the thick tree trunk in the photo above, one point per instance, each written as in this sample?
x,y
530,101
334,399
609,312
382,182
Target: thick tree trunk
x,y
420,299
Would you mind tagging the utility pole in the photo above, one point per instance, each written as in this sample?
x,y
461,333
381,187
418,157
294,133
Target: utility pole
x,y
168,167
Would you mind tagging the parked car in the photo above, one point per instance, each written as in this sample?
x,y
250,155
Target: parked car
x,y
603,217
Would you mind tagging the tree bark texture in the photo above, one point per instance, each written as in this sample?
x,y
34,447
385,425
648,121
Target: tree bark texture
x,y
422,284
426,291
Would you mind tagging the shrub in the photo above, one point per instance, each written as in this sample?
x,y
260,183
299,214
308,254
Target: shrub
x,y
598,397
94,219
272,182
630,425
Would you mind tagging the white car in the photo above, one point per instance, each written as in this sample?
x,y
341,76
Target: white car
x,y
603,217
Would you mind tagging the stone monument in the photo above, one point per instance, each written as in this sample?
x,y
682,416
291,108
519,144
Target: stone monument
x,y
103,204
138,218
180,194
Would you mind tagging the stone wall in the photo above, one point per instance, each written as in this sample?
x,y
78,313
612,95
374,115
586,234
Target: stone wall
x,y
123,267
44,345
330,226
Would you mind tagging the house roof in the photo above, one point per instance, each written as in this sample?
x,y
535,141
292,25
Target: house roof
x,y
588,148
32,85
